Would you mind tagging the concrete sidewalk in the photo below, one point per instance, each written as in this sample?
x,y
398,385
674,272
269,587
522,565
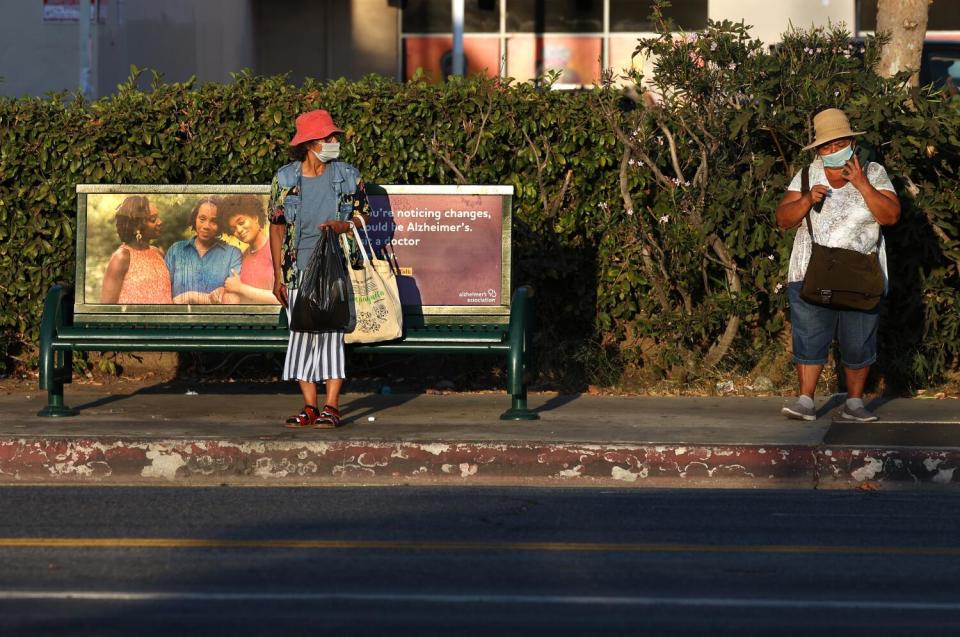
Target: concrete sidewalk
x,y
229,433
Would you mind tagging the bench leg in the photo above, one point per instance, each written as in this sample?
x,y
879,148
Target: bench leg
x,y
52,379
520,319
55,407
56,368
518,410
516,383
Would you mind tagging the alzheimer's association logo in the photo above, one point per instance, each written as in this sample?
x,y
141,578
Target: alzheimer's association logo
x,y
480,297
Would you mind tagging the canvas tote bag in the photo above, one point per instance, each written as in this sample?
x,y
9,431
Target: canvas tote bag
x,y
376,301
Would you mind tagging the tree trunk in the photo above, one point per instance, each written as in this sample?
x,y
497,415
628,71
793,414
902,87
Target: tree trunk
x,y
906,22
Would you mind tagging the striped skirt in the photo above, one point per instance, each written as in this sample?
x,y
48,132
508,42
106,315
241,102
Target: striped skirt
x,y
313,357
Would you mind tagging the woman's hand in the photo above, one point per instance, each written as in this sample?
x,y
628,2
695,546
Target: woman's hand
x,y
280,291
337,226
192,297
216,297
853,173
233,283
817,193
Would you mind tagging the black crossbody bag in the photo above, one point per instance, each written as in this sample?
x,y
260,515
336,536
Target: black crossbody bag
x,y
839,278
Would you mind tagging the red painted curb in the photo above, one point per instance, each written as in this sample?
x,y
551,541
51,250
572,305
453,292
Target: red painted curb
x,y
561,464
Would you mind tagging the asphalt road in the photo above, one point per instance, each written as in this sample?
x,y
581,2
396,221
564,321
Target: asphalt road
x,y
357,561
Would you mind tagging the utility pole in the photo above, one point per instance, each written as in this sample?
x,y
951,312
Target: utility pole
x,y
84,24
89,20
457,10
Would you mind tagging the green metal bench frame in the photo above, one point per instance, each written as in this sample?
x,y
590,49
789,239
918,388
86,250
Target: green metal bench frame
x,y
60,336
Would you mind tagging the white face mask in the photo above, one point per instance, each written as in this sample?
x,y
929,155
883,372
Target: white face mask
x,y
327,152
839,158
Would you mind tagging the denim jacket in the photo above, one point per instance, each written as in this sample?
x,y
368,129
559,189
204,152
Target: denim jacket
x,y
285,202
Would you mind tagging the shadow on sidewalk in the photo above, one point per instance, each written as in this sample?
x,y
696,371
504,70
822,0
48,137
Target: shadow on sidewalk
x,y
181,387
556,402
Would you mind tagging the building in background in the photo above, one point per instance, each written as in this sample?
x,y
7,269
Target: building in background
x,y
39,40
326,39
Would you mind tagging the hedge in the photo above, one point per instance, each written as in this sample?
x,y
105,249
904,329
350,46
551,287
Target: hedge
x,y
645,225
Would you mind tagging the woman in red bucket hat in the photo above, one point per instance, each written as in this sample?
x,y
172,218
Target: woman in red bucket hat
x,y
314,192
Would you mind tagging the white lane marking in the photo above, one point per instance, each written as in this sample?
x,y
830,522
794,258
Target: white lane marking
x,y
517,600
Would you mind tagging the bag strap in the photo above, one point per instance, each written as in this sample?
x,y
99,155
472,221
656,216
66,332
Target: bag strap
x,y
386,251
363,224
356,237
804,189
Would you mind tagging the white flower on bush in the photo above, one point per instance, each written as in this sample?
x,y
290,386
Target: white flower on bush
x,y
771,257
665,219
630,212
777,289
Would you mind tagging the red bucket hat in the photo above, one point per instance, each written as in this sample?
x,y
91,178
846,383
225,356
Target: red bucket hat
x,y
312,125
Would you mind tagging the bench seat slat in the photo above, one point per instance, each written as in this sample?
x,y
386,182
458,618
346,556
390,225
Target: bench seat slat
x,y
227,335
102,345
171,334
259,340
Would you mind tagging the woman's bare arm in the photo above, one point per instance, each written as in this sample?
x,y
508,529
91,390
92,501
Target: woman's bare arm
x,y
114,274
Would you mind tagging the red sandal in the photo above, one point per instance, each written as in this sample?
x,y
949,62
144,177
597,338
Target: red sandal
x,y
329,418
306,418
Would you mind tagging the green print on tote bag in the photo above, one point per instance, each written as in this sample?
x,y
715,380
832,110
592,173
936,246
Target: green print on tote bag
x,y
376,300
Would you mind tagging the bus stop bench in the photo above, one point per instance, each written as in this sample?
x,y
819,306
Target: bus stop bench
x,y
60,336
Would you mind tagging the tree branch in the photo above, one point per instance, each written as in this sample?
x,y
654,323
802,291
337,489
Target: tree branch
x,y
648,265
443,155
673,152
636,149
720,348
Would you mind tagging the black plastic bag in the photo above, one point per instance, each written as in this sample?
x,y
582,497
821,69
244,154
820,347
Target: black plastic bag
x,y
322,302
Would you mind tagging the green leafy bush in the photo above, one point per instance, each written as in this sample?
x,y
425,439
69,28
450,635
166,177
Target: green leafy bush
x,y
722,144
646,226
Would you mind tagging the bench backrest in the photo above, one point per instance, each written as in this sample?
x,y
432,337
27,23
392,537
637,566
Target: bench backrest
x,y
451,245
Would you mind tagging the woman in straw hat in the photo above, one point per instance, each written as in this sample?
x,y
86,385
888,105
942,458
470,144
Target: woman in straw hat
x,y
313,193
847,203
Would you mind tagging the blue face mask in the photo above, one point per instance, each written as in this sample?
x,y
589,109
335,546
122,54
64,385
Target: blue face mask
x,y
839,158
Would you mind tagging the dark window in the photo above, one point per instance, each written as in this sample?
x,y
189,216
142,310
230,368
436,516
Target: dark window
x,y
555,16
634,15
436,16
943,16
940,62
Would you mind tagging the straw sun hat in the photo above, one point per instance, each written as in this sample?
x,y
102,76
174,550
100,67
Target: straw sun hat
x,y
829,125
